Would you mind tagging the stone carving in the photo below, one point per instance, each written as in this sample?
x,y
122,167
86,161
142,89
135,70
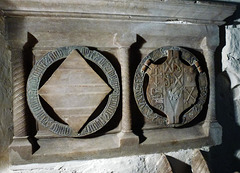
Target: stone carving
x,y
163,165
199,164
72,129
19,98
74,91
172,87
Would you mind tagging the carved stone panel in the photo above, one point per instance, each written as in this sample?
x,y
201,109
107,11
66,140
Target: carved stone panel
x,y
74,91
172,87
177,87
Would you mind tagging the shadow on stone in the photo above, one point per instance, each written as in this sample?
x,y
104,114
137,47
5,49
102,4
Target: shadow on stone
x,y
202,115
222,157
115,120
134,59
178,166
28,61
34,144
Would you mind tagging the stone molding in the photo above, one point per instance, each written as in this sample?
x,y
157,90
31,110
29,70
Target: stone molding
x,y
150,10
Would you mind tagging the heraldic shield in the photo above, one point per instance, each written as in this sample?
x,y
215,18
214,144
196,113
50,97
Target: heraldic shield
x,y
177,86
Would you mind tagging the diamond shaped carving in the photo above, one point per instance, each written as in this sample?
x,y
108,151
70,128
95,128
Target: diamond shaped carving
x,y
74,91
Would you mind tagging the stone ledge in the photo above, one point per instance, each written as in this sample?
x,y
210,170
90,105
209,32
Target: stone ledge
x,y
195,11
111,145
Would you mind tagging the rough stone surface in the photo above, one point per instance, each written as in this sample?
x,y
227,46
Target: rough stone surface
x,y
132,164
226,157
231,54
199,164
6,128
231,64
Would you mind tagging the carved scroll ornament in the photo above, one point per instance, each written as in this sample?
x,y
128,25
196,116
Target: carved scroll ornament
x,y
174,96
76,89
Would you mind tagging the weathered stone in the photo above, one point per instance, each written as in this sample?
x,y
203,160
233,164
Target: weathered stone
x,y
4,162
94,33
6,125
20,118
141,163
229,103
5,96
199,164
35,77
166,10
231,54
163,165
170,87
231,63
74,91
111,26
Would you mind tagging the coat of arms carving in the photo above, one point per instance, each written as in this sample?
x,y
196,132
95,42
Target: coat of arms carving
x,y
177,86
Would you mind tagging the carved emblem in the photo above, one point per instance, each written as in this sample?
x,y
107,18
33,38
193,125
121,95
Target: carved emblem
x,y
172,88
74,91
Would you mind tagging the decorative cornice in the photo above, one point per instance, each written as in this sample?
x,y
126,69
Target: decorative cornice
x,y
192,11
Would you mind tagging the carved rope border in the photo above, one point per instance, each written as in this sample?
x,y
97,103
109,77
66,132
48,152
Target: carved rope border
x,y
59,128
142,104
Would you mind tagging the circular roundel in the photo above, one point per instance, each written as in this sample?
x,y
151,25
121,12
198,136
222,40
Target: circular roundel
x,y
92,125
177,86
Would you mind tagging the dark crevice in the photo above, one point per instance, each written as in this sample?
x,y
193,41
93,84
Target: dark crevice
x,y
134,59
28,59
178,166
222,157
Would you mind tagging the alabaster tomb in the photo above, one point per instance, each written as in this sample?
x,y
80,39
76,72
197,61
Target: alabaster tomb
x,y
106,78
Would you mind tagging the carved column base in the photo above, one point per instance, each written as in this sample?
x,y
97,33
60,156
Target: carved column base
x,y
214,131
20,151
128,139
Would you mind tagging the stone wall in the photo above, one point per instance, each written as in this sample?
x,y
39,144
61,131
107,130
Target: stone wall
x,y
226,157
5,98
